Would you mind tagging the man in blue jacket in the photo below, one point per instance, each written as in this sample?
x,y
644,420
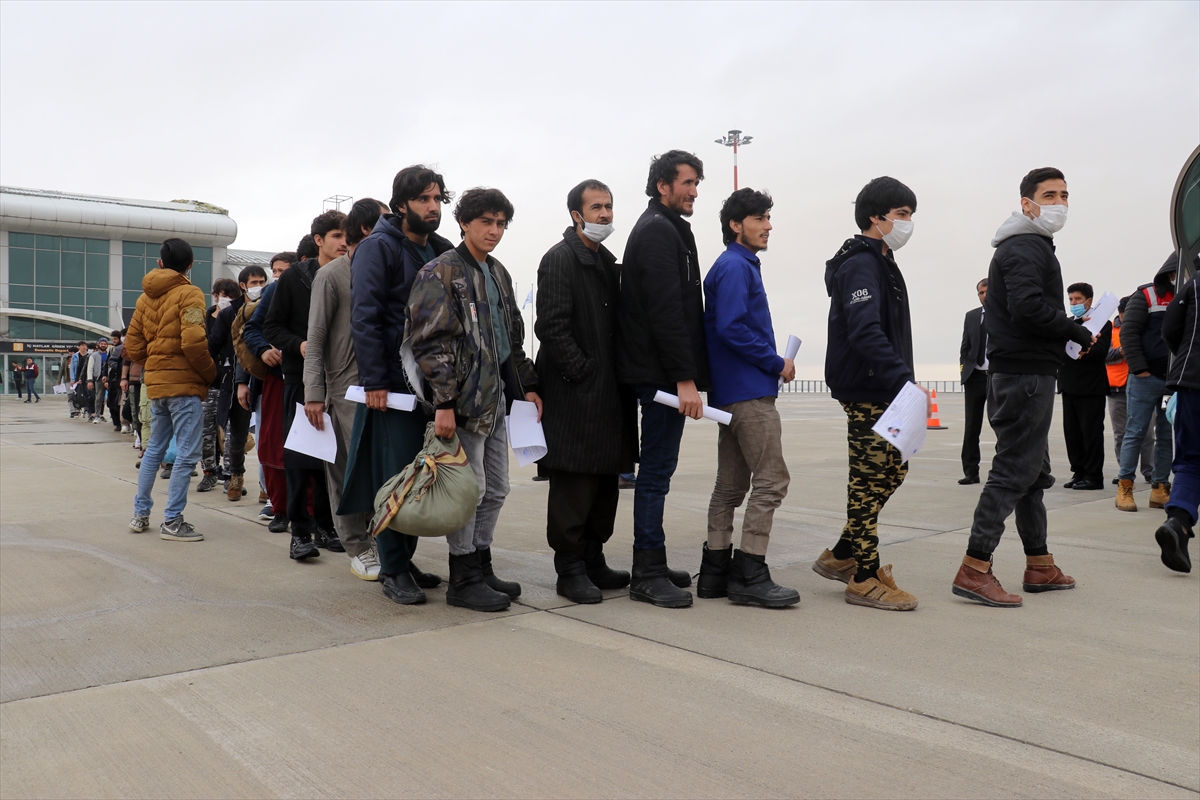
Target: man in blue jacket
x,y
745,373
869,359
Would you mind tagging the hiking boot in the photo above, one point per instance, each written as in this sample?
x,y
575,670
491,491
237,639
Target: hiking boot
x,y
235,490
598,572
836,569
651,581
279,524
714,572
209,480
263,497
467,588
426,580
328,540
401,589
176,530
750,583
140,524
573,582
1172,536
303,547
1125,500
510,588
1042,576
166,472
975,581
365,565
880,592
1160,494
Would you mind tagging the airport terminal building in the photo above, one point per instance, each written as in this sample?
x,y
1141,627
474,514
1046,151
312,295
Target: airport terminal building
x,y
71,266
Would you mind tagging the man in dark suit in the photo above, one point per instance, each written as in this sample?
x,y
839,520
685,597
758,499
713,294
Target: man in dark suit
x,y
973,364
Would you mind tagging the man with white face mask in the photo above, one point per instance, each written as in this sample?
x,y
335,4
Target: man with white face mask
x,y
588,418
224,291
1027,331
868,361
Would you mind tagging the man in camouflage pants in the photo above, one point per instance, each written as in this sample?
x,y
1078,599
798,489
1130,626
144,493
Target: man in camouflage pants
x,y
868,361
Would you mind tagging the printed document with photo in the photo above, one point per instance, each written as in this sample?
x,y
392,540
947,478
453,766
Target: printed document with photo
x,y
903,423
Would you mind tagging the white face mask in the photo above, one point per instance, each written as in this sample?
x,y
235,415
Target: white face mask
x,y
902,230
224,302
597,233
254,292
1052,219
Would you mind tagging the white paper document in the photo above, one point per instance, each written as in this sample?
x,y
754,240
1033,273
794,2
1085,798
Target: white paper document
x,y
903,423
1100,314
61,388
525,434
715,414
793,347
400,402
304,438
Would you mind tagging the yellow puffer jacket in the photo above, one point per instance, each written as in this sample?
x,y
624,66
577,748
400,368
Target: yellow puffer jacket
x,y
166,336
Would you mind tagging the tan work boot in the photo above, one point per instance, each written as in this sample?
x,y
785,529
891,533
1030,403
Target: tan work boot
x,y
1125,500
235,487
835,569
880,592
263,497
975,581
1042,576
1160,495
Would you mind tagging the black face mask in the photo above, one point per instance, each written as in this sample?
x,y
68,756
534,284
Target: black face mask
x,y
419,226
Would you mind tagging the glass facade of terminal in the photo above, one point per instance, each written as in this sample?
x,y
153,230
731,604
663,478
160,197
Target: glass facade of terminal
x,y
138,258
60,274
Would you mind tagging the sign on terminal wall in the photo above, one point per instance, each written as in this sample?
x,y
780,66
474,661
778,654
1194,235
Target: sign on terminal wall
x,y
37,348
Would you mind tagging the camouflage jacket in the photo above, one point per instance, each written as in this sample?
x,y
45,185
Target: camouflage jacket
x,y
452,339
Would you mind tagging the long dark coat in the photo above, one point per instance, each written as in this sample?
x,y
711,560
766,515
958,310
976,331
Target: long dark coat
x,y
589,420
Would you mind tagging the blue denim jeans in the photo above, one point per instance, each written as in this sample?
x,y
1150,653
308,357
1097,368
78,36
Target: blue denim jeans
x,y
182,418
1143,396
1185,494
662,431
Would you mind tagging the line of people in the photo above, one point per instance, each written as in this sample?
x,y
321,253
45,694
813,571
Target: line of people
x,y
384,302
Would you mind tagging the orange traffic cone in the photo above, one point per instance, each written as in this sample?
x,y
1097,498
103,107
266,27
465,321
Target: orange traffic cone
x,y
935,420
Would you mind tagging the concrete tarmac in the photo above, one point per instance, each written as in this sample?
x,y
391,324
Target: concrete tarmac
x,y
135,667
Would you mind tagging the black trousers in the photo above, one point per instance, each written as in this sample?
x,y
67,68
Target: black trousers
x,y
1083,429
975,394
580,507
114,404
235,443
302,474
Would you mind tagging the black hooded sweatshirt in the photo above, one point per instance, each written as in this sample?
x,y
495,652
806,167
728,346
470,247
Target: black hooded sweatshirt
x,y
1141,331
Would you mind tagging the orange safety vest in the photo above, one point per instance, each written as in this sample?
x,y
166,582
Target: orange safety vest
x,y
1118,373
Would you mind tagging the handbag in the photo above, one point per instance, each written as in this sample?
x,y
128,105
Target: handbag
x,y
435,495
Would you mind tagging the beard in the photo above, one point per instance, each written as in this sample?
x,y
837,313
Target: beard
x,y
419,226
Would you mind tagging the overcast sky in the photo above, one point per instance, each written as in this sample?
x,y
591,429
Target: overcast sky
x,y
267,109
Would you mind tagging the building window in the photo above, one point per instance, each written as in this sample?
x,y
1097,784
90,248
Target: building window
x,y
60,274
138,258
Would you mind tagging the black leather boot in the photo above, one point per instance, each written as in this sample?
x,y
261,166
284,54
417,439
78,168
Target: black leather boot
x,y
402,589
599,573
510,588
750,584
303,547
467,589
714,572
651,582
426,580
573,582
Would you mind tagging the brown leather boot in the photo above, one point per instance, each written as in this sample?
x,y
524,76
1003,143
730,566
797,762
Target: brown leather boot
x,y
834,568
975,581
1125,500
1160,495
1042,576
234,492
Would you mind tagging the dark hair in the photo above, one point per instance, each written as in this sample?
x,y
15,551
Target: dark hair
x,y
227,287
981,285
1030,182
411,181
82,342
478,201
290,257
666,168
1083,288
1121,305
330,220
254,269
124,332
575,196
363,214
176,254
115,334
879,197
306,249
739,205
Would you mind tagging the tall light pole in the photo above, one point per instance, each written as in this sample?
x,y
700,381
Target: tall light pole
x,y
734,139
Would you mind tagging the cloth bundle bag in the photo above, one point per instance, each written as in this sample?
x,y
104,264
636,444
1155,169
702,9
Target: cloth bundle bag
x,y
435,495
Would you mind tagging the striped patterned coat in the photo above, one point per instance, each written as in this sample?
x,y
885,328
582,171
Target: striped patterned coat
x,y
589,420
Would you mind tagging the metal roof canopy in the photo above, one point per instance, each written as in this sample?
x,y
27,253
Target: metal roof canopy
x,y
62,319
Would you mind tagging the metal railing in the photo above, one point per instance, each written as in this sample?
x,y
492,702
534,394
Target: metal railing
x,y
819,387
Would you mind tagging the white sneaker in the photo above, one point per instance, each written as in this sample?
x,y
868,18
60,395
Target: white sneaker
x,y
125,429
366,565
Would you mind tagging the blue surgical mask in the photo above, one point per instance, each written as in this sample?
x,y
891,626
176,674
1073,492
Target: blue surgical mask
x,y
1079,310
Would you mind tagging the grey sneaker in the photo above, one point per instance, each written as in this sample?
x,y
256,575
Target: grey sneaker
x,y
208,482
139,524
177,530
